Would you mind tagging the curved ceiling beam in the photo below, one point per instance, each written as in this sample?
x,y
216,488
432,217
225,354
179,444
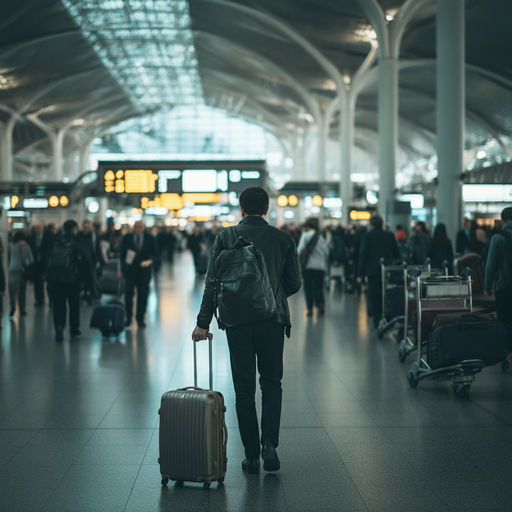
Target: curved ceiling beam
x,y
297,87
246,85
325,63
13,48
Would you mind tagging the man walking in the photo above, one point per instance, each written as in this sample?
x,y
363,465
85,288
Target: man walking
x,y
139,251
39,242
259,343
64,272
498,270
376,244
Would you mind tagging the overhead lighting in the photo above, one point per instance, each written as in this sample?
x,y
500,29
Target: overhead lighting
x,y
481,154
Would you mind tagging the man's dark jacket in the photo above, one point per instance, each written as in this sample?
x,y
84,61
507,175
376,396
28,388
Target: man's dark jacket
x,y
278,249
40,253
148,251
376,244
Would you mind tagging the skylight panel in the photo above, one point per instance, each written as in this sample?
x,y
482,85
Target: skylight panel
x,y
147,45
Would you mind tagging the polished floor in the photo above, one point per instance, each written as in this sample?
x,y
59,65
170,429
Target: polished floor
x,y
79,422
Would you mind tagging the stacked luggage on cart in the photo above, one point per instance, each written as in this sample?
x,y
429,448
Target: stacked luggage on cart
x,y
452,341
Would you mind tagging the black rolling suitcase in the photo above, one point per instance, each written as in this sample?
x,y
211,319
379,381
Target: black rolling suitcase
x,y
109,318
468,337
193,433
109,282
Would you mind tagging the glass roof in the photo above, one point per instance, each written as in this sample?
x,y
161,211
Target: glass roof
x,y
147,45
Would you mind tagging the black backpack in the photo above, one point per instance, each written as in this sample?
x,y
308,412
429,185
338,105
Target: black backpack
x,y
63,261
243,293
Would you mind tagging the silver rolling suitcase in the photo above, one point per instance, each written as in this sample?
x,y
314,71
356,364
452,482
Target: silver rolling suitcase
x,y
193,433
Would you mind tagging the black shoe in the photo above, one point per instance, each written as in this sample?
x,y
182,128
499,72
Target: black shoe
x,y
59,336
76,335
270,458
141,324
23,313
321,309
128,324
252,466
309,313
11,313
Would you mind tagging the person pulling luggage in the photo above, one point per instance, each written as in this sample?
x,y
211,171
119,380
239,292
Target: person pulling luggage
x,y
256,317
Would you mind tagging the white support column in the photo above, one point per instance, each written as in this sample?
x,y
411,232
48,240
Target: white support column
x,y
85,152
346,141
388,133
57,146
451,96
7,156
321,148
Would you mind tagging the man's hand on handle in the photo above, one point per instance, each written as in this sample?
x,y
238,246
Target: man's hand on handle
x,y
199,334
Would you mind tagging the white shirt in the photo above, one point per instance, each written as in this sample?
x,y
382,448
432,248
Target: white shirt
x,y
318,258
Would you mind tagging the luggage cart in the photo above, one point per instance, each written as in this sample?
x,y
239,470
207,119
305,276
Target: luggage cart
x,y
392,297
407,344
448,289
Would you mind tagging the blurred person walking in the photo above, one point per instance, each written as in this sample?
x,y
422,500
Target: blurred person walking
x,y
139,252
65,274
20,264
376,244
39,242
313,251
440,249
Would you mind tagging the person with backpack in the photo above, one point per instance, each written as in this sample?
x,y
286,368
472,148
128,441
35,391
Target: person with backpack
x,y
498,271
313,252
254,268
64,272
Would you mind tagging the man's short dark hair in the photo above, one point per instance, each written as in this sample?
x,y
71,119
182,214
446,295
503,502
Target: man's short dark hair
x,y
69,225
506,214
376,221
254,201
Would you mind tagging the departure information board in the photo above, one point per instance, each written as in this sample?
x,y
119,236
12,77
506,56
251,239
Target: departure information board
x,y
179,177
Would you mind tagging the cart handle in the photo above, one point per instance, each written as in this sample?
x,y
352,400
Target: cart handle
x,y
404,265
416,272
465,273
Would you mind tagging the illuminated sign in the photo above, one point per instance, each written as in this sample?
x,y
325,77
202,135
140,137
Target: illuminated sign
x,y
487,193
39,202
164,176
417,200
137,181
282,201
196,180
64,201
317,201
293,200
332,202
14,201
201,198
53,201
360,215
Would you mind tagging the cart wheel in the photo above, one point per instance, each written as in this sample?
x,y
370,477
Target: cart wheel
x,y
413,379
206,485
165,481
462,392
221,480
505,365
401,354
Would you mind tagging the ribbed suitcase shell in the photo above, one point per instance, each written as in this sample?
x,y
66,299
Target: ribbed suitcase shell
x,y
193,436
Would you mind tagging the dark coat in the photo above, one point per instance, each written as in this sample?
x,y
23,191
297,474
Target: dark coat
x,y
281,259
376,244
148,251
40,253
438,253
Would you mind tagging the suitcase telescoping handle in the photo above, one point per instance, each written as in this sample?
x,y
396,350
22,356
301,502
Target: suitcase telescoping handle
x,y
210,338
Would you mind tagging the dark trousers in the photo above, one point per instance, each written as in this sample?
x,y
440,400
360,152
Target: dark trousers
x,y
64,294
142,285
314,288
259,344
504,311
375,298
17,290
38,280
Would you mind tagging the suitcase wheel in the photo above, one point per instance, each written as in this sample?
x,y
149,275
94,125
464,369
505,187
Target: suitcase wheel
x,y
165,481
461,391
206,485
221,480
